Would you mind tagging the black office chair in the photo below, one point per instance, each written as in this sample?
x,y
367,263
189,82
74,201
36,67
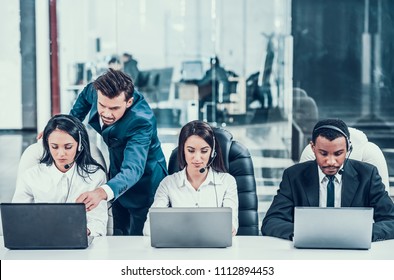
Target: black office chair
x,y
239,163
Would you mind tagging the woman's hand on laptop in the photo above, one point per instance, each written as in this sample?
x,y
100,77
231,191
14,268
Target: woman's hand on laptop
x,y
92,198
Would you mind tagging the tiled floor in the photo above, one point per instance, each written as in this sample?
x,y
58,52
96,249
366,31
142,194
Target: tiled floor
x,y
266,142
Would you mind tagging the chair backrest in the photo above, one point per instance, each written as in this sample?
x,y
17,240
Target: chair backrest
x,y
305,111
239,163
31,156
363,150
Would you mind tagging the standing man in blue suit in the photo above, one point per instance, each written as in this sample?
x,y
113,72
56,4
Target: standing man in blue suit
x,y
332,180
137,163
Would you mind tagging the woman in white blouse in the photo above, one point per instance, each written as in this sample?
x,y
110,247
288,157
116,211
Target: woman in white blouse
x,y
66,170
203,180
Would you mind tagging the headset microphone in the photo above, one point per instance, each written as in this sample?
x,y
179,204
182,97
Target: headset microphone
x,y
202,170
213,155
79,149
340,172
68,165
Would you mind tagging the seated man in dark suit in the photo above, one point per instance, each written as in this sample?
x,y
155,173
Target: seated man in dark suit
x,y
332,180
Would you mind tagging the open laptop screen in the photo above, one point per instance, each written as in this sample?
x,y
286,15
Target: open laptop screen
x,y
337,228
191,227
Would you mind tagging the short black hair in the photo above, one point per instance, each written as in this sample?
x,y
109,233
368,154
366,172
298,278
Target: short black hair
x,y
321,129
114,60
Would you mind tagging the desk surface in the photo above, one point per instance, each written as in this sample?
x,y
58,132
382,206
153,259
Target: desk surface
x,y
244,248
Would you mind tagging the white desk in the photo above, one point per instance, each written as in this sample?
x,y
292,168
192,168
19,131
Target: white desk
x,y
244,248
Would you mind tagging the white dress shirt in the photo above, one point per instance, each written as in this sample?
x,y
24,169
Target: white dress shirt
x,y
176,191
105,187
323,189
42,183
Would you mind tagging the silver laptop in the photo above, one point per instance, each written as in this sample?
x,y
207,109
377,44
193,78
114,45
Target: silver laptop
x,y
191,227
334,228
44,226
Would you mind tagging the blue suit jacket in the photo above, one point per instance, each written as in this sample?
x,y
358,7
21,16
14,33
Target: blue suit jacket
x,y
361,187
137,162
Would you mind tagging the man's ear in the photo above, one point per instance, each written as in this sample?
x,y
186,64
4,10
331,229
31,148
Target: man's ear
x,y
312,146
129,102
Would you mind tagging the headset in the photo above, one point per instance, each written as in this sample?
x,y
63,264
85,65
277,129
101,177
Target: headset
x,y
213,155
348,142
212,158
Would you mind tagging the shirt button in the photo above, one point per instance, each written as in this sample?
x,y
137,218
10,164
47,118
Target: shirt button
x,y
197,204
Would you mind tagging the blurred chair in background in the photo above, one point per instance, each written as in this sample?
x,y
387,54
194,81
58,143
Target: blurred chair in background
x,y
305,116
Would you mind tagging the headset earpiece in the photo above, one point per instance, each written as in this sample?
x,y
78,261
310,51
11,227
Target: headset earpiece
x,y
79,142
350,146
213,154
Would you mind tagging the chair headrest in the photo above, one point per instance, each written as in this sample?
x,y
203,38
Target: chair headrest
x,y
224,139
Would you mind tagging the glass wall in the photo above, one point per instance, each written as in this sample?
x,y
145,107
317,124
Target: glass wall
x,y
10,59
172,44
342,59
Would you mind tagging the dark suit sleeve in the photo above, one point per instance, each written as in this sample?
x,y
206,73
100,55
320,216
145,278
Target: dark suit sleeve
x,y
135,157
84,102
279,221
383,228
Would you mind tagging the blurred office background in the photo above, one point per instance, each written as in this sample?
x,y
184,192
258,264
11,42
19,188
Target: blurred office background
x,y
277,67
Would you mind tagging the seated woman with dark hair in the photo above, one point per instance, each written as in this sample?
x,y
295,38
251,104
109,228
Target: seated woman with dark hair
x,y
203,180
66,170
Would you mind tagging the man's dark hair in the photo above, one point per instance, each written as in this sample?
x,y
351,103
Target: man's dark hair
x,y
214,61
320,129
129,56
114,60
113,83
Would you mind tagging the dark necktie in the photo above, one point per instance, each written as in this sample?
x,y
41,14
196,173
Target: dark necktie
x,y
330,191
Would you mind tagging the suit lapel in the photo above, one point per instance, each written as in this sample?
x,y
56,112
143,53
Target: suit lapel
x,y
311,187
350,185
95,122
